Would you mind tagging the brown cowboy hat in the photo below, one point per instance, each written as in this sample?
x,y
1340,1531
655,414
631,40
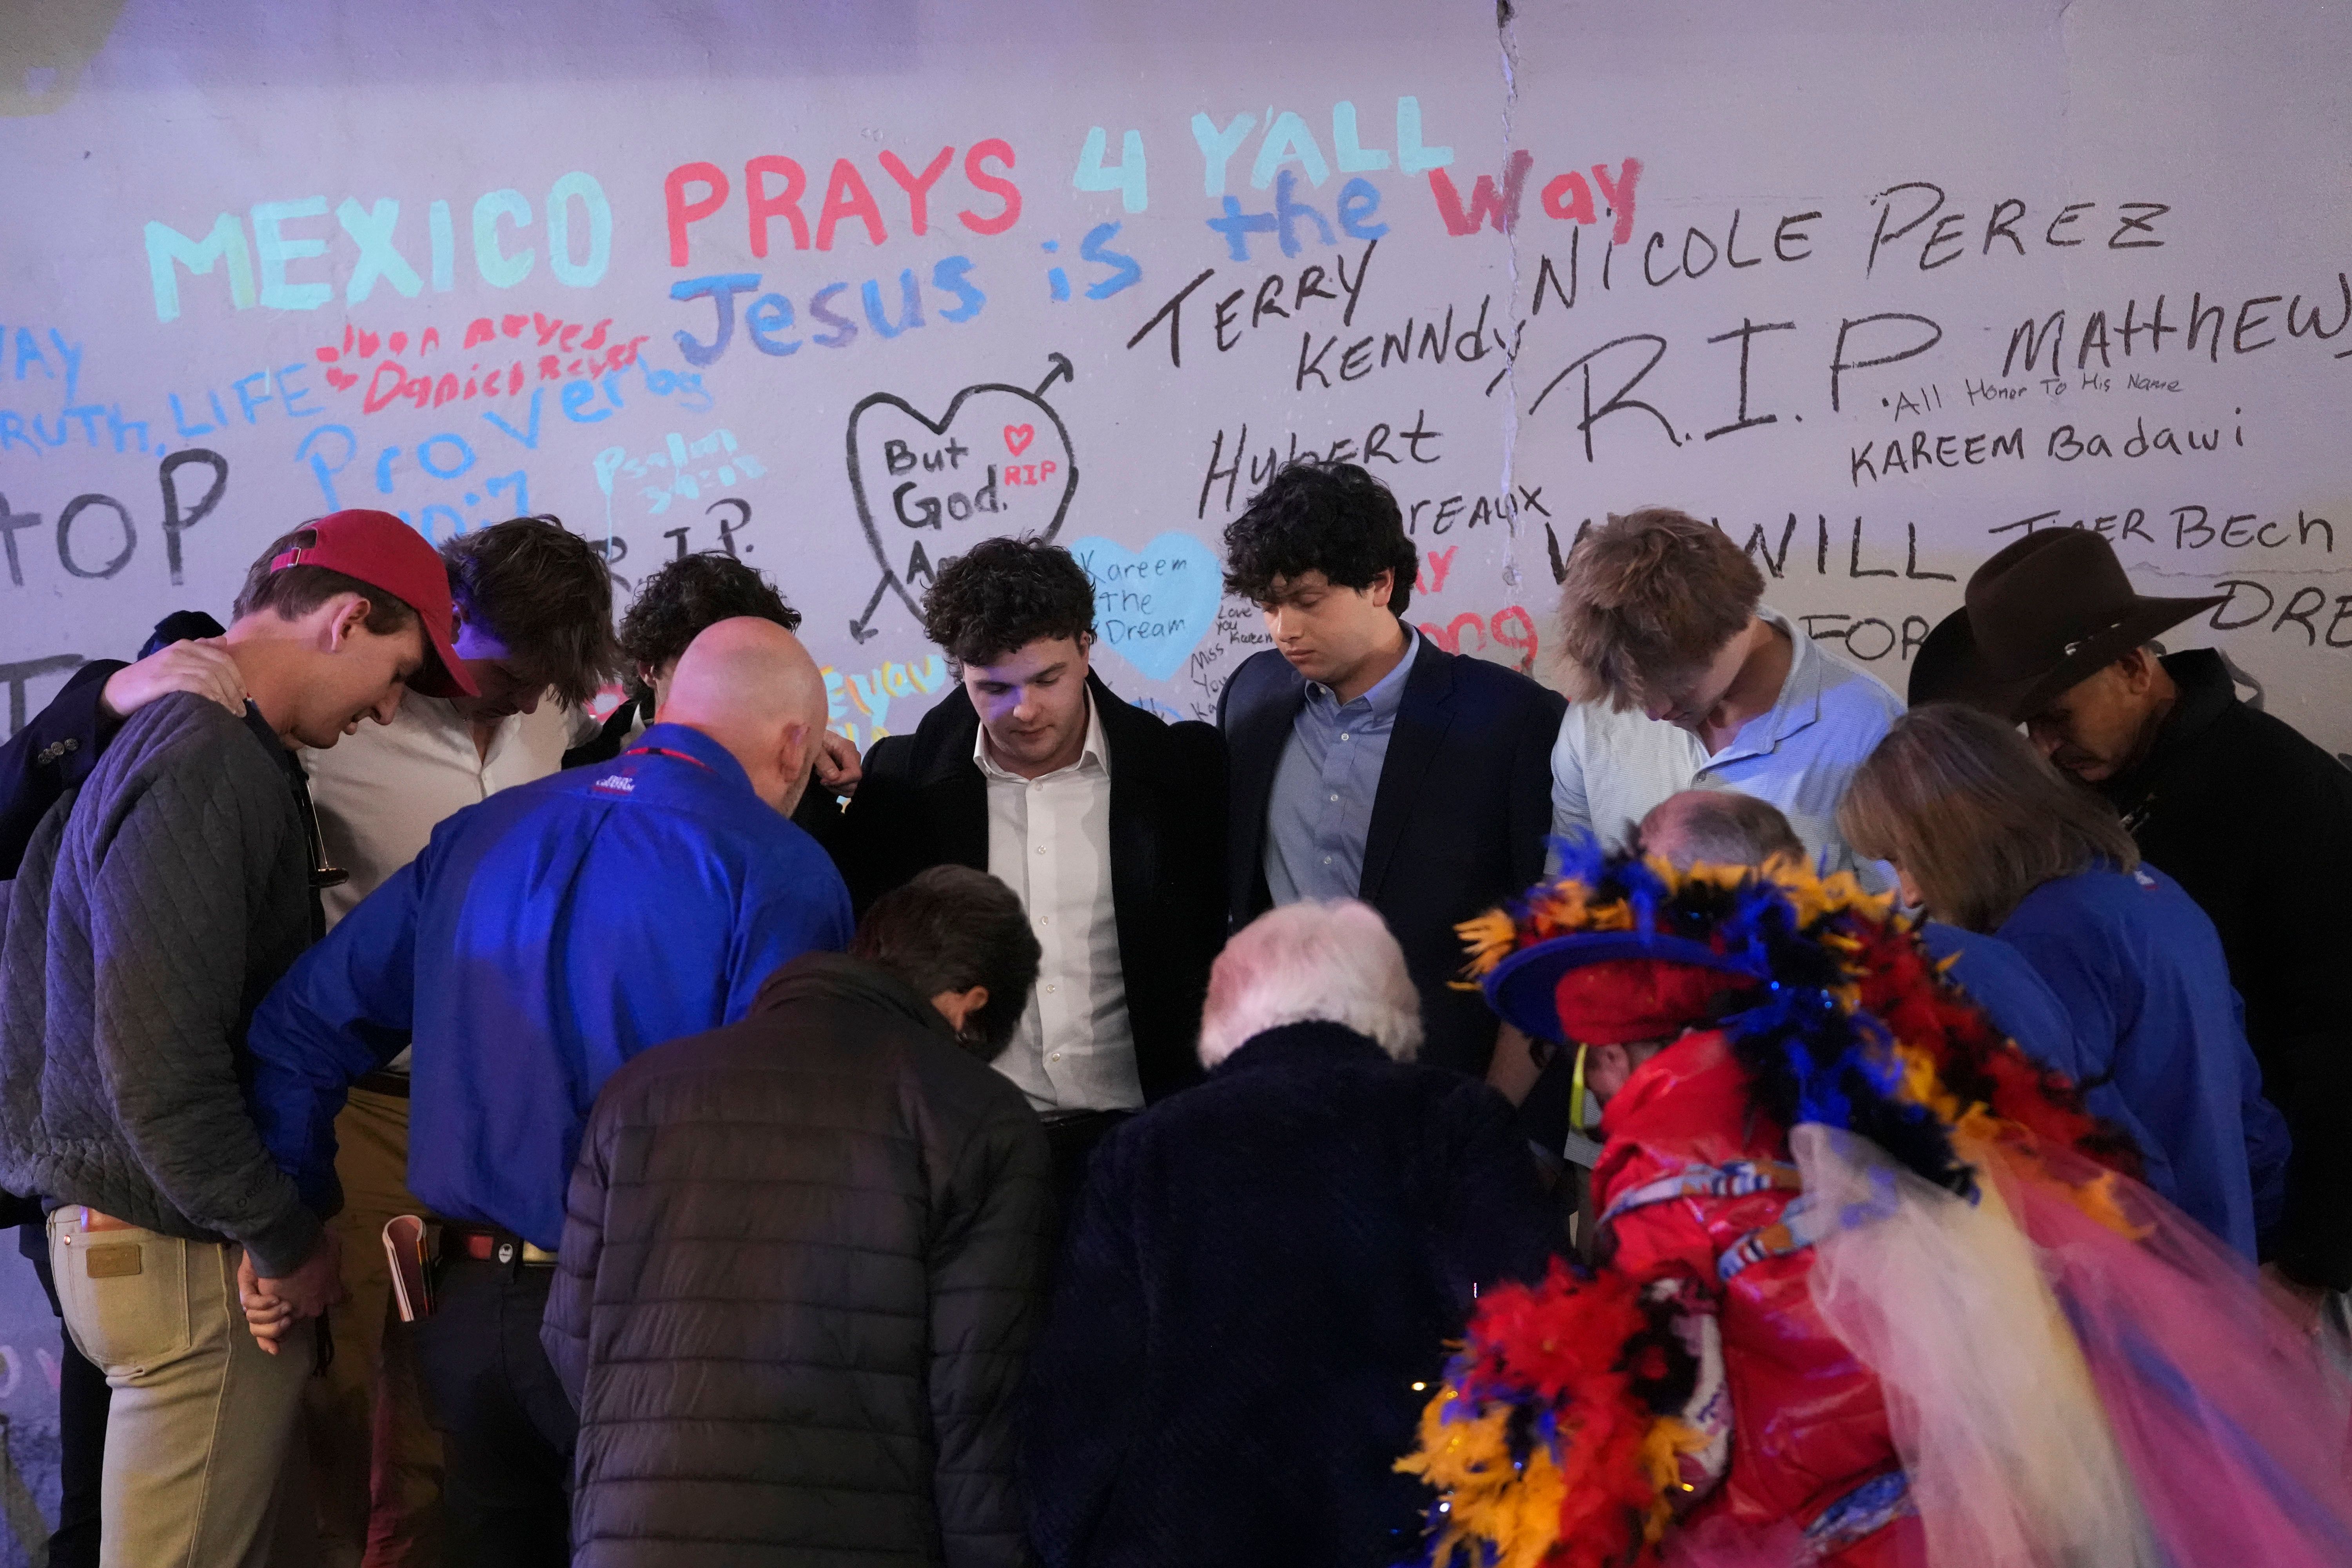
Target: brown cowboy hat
x,y
2043,614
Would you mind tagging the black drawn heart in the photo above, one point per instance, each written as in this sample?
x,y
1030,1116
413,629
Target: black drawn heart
x,y
929,489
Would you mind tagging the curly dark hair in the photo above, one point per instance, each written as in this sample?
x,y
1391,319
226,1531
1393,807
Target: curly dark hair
x,y
677,604
1005,593
545,593
1315,516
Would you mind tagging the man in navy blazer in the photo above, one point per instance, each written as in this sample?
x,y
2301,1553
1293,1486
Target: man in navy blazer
x,y
1363,760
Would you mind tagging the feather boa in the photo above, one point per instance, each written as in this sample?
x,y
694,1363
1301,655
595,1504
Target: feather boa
x,y
1547,1443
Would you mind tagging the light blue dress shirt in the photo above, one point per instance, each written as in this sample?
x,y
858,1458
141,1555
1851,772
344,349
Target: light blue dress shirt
x,y
1320,809
1609,768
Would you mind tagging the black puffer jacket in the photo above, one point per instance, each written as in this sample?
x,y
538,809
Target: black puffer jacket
x,y
803,1262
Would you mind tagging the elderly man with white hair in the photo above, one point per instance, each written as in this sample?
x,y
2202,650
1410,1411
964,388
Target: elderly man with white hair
x,y
1263,1272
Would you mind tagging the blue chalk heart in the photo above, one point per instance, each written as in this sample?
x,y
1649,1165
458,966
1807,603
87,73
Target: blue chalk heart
x,y
1152,607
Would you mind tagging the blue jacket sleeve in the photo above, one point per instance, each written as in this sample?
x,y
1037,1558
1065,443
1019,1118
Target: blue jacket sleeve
x,y
343,1010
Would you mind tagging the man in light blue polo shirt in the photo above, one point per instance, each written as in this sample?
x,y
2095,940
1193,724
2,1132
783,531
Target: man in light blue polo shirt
x,y
1694,684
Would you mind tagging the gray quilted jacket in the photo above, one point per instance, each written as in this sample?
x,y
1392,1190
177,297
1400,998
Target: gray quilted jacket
x,y
802,1267
155,905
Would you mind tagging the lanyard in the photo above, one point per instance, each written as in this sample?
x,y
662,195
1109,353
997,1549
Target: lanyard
x,y
666,751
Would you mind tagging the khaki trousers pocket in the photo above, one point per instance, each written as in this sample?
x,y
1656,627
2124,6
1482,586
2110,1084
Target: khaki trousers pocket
x,y
124,1292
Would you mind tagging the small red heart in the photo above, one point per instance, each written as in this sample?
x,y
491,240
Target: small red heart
x,y
367,345
1018,437
341,380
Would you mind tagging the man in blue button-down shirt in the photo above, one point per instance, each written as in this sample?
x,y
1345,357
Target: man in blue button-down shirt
x,y
542,939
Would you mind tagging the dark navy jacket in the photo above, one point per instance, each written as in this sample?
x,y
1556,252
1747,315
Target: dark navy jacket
x,y
543,937
1458,822
1252,1307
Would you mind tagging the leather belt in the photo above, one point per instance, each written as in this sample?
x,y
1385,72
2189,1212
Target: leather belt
x,y
93,1220
494,1246
383,1081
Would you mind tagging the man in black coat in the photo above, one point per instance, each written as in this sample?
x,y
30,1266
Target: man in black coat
x,y
1256,1292
1107,822
2253,820
802,1258
1366,762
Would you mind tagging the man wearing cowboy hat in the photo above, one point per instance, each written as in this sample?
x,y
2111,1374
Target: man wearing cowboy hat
x,y
2251,819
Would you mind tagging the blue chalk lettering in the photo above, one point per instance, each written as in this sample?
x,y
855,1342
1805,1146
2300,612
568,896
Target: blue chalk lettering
x,y
42,431
12,432
383,470
952,274
1288,138
89,414
1358,200
180,418
272,250
763,317
530,441
425,455
72,354
845,330
1354,157
584,189
1126,270
498,269
288,395
320,467
1237,224
910,304
1411,156
423,524
577,396
379,257
118,427
1217,148
517,483
29,351
167,247
244,399
1058,283
721,289
1287,213
1128,179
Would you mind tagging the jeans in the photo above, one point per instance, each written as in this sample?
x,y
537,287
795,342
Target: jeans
x,y
506,1429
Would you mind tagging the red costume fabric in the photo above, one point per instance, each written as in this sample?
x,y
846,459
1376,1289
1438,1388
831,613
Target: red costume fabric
x,y
1810,1426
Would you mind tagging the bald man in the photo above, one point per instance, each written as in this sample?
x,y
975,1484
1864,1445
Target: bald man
x,y
542,939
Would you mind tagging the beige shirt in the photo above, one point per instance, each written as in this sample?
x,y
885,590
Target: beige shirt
x,y
381,792
1049,841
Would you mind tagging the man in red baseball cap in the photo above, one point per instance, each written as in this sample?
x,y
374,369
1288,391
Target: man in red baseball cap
x,y
157,900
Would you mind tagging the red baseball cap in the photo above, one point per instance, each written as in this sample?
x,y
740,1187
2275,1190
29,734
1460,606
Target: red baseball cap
x,y
383,551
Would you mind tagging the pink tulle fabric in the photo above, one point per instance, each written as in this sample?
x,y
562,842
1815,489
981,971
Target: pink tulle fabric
x,y
2064,1395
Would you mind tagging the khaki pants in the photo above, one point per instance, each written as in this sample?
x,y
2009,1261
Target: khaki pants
x,y
375,1460
202,1419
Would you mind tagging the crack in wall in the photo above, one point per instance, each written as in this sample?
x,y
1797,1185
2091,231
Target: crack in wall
x,y
1506,48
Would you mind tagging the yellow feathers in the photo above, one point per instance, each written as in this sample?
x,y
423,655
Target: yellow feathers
x,y
1514,1508
1668,1439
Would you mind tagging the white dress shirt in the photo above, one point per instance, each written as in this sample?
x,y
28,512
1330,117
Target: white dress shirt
x,y
1049,841
381,791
